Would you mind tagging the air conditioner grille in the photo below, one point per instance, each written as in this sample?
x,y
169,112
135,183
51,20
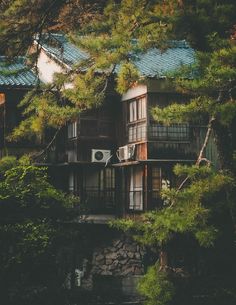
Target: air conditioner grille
x,y
100,155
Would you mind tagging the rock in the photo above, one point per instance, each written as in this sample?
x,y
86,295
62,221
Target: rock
x,y
138,271
130,254
109,261
111,256
122,253
103,267
124,261
134,262
128,271
130,248
99,257
115,263
118,244
106,272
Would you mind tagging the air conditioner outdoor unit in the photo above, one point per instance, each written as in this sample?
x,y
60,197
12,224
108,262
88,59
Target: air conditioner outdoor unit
x,y
101,155
126,152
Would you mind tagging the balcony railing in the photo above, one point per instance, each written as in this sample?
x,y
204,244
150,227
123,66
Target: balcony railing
x,y
99,201
174,132
90,128
177,132
141,200
110,202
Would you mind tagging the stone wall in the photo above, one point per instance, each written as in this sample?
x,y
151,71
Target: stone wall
x,y
122,257
117,258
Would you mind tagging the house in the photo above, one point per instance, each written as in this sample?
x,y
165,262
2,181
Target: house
x,y
116,157
16,79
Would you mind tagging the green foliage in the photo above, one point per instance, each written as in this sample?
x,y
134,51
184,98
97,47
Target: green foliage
x,y
194,111
128,76
125,29
156,287
187,211
112,39
216,71
27,186
21,20
32,213
7,163
204,23
211,98
42,110
89,90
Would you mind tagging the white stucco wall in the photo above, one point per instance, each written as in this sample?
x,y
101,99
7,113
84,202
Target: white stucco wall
x,y
134,92
47,67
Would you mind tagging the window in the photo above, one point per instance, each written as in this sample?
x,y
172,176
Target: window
x,y
72,130
99,189
136,116
156,180
137,109
162,179
175,132
133,111
142,108
137,132
72,182
136,189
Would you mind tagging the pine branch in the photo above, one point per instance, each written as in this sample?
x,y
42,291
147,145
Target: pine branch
x,y
36,156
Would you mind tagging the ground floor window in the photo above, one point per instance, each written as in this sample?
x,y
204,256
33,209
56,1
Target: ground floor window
x,y
98,191
136,189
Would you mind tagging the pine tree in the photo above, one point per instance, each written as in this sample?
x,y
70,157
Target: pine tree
x,y
200,212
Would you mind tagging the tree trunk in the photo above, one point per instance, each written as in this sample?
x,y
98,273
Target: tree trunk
x,y
224,144
163,259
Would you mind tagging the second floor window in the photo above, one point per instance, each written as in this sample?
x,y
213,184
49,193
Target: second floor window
x,y
137,132
137,109
72,130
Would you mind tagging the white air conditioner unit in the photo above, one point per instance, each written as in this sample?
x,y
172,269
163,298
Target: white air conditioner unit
x,y
126,152
101,155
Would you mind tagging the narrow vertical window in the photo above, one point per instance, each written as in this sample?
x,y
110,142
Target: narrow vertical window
x,y
71,182
132,111
72,130
141,108
136,189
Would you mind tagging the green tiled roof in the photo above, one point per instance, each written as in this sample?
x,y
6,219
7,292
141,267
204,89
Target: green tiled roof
x,y
154,63
15,73
58,46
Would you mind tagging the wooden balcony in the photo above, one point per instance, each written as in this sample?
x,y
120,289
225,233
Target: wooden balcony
x,y
96,201
111,202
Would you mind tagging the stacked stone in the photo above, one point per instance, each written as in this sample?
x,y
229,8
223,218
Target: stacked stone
x,y
122,258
